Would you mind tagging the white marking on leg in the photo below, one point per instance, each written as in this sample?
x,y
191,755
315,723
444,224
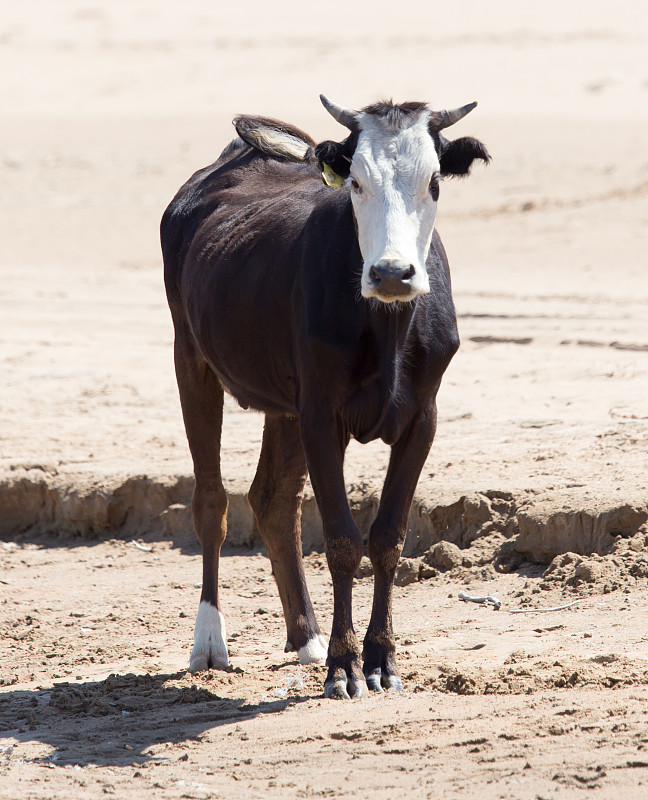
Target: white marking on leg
x,y
210,648
314,651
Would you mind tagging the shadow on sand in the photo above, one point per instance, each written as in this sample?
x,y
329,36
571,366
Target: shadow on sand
x,y
123,719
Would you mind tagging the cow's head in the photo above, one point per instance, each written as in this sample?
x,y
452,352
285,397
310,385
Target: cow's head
x,y
392,163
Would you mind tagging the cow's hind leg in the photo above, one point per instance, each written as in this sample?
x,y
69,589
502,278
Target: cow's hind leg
x,y
386,540
201,396
276,497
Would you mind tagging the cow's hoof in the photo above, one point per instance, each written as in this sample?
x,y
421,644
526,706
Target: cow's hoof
x,y
345,690
336,690
202,662
379,667
378,680
209,650
343,687
392,682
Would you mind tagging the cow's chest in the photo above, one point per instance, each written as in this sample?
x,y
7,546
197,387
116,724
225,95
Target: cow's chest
x,y
381,408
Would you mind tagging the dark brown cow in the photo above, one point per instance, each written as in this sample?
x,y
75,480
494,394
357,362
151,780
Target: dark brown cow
x,y
328,308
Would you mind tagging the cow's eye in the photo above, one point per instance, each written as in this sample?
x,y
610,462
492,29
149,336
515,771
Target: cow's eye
x,y
355,185
434,186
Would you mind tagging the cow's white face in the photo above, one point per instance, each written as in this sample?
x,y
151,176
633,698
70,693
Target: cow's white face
x,y
393,180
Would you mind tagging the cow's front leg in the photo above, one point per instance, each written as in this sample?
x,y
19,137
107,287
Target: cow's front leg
x,y
324,444
386,540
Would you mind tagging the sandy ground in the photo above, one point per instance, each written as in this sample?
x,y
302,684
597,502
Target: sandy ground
x,y
497,705
543,423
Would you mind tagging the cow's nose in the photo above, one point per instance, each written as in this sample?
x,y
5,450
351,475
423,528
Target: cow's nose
x,y
392,280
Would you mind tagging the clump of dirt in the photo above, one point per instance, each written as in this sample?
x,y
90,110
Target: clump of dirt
x,y
623,566
444,557
365,568
529,675
122,694
78,701
20,629
595,574
408,571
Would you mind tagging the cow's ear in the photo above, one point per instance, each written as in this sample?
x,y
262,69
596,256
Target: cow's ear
x,y
457,157
337,155
274,138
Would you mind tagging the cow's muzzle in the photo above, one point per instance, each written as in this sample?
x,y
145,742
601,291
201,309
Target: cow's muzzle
x,y
392,281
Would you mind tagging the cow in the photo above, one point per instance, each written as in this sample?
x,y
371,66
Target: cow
x,y
307,280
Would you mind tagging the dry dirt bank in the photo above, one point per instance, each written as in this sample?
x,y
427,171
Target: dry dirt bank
x,y
489,525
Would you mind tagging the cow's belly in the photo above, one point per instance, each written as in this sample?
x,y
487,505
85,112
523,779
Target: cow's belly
x,y
269,398
254,374
254,368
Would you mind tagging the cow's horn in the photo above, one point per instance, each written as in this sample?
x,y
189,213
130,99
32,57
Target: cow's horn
x,y
344,116
449,118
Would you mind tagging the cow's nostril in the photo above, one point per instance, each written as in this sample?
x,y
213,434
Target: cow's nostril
x,y
373,274
409,274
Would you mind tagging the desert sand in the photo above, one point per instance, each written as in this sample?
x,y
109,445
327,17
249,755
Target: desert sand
x,y
538,474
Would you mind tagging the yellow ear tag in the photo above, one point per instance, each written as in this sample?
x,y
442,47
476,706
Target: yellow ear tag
x,y
330,178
